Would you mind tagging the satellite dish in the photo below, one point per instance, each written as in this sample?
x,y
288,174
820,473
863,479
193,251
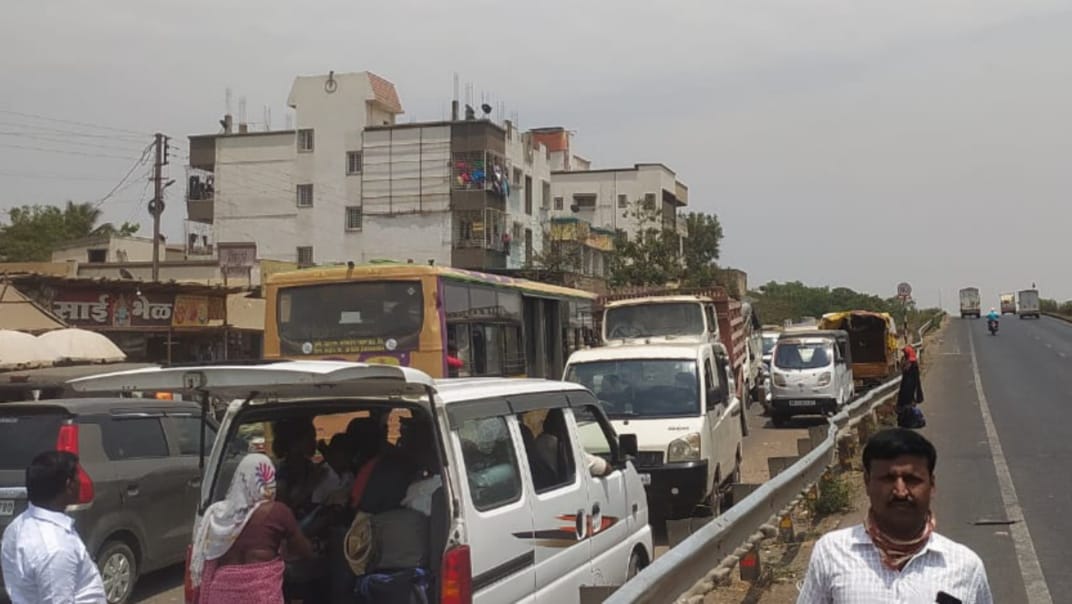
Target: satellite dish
x,y
486,108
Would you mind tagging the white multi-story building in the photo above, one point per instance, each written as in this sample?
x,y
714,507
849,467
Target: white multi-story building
x,y
351,184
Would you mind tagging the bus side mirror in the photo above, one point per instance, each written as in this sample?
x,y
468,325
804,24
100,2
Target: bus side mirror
x,y
628,447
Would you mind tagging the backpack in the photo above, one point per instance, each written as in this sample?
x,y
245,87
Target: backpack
x,y
910,417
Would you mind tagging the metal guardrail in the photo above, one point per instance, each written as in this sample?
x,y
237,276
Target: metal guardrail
x,y
688,569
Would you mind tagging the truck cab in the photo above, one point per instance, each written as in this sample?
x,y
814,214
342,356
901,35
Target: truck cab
x,y
661,319
679,401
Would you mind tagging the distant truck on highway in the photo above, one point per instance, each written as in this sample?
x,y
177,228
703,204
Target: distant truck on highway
x,y
1028,304
969,302
1008,304
873,342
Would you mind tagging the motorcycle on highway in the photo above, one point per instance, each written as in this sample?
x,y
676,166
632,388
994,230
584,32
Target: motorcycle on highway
x,y
992,322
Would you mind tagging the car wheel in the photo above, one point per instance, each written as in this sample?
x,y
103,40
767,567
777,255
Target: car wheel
x,y
119,571
637,562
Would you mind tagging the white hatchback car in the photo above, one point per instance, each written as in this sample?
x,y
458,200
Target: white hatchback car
x,y
519,516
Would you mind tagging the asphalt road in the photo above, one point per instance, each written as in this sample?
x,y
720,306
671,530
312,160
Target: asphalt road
x,y
1021,525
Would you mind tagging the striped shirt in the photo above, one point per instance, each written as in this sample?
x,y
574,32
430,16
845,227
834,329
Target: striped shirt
x,y
846,568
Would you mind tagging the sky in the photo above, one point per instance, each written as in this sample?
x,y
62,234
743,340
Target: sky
x,y
840,142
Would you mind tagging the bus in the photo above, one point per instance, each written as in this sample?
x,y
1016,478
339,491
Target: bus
x,y
411,315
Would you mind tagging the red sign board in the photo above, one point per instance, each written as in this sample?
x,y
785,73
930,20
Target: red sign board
x,y
93,308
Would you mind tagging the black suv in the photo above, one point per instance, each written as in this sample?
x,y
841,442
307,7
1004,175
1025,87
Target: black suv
x,y
139,476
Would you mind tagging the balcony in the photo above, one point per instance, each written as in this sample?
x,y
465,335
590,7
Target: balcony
x,y
200,193
200,210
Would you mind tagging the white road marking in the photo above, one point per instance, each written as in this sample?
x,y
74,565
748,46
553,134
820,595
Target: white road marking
x,y
1034,581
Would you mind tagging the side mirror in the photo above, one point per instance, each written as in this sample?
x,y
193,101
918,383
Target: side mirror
x,y
627,446
715,397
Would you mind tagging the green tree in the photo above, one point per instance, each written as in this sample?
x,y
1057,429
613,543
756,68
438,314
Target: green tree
x,y
32,232
701,250
652,256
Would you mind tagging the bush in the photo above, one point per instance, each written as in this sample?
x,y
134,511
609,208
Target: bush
x,y
834,497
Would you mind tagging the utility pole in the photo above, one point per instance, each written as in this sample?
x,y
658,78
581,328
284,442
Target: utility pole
x,y
156,206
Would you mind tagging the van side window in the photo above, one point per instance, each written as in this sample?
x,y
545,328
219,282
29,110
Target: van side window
x,y
133,438
490,462
548,447
711,383
723,380
593,433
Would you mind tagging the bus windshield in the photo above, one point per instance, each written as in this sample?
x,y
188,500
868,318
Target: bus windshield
x,y
657,319
350,317
641,387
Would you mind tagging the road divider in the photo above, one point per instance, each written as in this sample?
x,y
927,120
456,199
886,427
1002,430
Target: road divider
x,y
686,569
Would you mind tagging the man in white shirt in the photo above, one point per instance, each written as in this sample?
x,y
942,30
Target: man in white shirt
x,y
895,556
44,560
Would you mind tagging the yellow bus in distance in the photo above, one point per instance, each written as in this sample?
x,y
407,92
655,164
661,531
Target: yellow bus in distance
x,y
414,315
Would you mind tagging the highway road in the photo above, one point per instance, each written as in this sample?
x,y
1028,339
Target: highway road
x,y
999,410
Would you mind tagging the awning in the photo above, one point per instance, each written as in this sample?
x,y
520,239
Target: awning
x,y
19,313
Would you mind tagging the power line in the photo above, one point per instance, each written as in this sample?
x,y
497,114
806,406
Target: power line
x,y
83,154
68,132
129,146
73,122
141,161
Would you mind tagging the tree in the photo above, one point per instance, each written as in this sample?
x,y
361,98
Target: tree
x,y
34,231
652,257
701,249
557,257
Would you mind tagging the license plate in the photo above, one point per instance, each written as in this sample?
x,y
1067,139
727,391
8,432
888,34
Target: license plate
x,y
7,508
645,479
801,403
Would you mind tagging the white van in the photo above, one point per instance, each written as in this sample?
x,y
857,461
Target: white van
x,y
518,516
811,374
678,399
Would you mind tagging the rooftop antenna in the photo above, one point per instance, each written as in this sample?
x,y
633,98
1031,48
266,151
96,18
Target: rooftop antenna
x,y
454,100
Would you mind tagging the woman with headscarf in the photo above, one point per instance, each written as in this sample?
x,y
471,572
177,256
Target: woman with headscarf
x,y
238,545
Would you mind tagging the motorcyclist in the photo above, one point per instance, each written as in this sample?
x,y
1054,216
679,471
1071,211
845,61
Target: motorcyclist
x,y
992,316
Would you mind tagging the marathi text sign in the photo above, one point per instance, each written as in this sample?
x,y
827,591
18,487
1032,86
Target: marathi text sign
x,y
190,311
91,308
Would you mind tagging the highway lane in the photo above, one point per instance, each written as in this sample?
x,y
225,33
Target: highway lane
x,y
1027,390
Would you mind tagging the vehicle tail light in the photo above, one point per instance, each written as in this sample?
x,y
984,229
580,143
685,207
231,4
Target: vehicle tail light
x,y
68,441
164,396
187,582
456,584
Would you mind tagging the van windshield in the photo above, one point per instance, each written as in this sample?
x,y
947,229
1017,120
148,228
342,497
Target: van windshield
x,y
801,355
657,319
641,387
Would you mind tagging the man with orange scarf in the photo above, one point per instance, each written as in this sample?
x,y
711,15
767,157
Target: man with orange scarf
x,y
895,555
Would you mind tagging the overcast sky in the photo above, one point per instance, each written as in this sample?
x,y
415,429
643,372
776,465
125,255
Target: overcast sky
x,y
842,142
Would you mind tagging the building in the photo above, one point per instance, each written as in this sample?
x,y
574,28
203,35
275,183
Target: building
x,y
355,185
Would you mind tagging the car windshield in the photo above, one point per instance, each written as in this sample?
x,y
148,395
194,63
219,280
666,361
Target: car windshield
x,y
641,387
655,320
802,355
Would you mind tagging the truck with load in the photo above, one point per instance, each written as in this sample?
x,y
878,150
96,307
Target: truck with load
x,y
872,341
1008,304
666,315
1028,304
969,302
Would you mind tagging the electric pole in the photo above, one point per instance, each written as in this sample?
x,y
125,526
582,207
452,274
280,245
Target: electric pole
x,y
156,206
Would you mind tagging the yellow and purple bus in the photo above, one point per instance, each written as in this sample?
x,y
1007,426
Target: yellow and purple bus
x,y
412,315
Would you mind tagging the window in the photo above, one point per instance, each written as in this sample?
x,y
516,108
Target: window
x,y
133,438
22,435
305,255
594,434
528,195
635,388
98,255
528,247
710,383
490,462
649,201
623,201
545,201
353,218
549,448
305,196
558,203
585,201
305,140
353,162
188,430
517,177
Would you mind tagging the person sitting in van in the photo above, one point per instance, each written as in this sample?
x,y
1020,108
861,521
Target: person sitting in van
x,y
294,444
235,556
553,446
337,469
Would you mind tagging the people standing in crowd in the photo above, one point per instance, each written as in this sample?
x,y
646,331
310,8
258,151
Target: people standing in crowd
x,y
44,559
240,541
895,555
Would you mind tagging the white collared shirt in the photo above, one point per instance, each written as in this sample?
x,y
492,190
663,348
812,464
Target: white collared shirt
x,y
45,562
846,567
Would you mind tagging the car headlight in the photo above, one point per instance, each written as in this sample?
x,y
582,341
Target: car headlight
x,y
824,379
779,380
686,448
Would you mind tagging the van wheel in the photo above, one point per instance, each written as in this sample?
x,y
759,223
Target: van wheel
x,y
637,562
119,571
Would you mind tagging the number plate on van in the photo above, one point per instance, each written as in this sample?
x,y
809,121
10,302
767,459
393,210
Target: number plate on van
x,y
801,403
645,479
7,508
